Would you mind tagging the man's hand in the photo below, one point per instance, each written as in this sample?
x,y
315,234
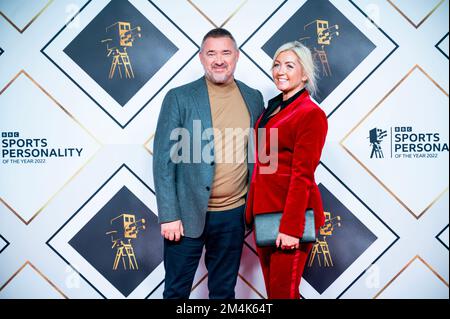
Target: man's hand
x,y
172,231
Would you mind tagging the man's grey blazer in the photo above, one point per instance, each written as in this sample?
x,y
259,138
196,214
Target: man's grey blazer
x,y
183,189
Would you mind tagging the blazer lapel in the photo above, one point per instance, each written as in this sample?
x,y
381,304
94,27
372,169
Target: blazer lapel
x,y
203,106
288,111
248,99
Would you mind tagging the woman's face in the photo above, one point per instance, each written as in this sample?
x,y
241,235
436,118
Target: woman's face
x,y
288,73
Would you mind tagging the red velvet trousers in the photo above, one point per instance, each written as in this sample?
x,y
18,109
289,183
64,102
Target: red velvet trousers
x,y
283,270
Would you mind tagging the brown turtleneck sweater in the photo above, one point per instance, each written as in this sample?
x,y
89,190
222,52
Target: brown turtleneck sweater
x,y
229,113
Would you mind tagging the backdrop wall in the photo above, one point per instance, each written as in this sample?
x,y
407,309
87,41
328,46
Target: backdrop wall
x,y
81,85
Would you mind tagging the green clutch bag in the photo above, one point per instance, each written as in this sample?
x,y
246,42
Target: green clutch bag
x,y
267,228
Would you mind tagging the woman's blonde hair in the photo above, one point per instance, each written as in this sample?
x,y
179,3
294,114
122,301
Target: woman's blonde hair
x,y
306,60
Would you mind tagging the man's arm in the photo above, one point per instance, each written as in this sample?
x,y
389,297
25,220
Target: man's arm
x,y
164,169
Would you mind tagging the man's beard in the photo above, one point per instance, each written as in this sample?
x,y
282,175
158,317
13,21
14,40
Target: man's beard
x,y
218,78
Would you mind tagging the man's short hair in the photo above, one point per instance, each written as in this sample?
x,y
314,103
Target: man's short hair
x,y
218,33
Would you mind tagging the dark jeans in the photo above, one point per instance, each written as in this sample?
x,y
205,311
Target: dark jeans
x,y
222,238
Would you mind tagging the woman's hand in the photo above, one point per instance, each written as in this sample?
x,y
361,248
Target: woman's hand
x,y
287,242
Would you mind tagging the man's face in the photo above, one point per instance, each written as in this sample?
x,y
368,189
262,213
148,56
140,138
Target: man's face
x,y
219,57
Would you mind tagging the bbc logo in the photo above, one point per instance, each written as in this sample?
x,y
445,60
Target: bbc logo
x,y
403,129
10,134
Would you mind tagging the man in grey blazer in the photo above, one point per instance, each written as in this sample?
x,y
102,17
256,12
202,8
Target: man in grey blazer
x,y
201,171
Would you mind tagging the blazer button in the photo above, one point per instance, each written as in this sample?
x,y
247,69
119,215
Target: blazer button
x,y
208,188
212,163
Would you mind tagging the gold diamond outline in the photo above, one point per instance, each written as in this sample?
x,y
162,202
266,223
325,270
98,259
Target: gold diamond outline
x,y
30,22
239,275
404,268
199,282
251,286
210,20
39,273
409,20
367,169
75,174
148,141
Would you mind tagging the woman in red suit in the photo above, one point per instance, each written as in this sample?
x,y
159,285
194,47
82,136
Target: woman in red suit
x,y
283,177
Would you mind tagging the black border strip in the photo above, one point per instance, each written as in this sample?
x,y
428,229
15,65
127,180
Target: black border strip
x,y
250,247
396,46
7,243
86,93
79,209
156,288
256,31
440,233
373,213
437,45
